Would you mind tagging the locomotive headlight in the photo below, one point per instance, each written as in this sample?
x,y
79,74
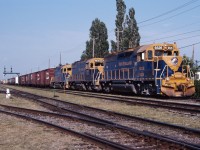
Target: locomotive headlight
x,y
174,61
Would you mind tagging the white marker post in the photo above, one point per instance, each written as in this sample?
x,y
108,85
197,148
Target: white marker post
x,y
8,95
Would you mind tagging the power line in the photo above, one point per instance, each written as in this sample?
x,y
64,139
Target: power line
x,y
175,29
171,36
171,16
170,11
184,38
189,45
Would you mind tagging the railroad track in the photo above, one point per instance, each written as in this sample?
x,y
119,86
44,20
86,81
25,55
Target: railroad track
x,y
168,130
45,120
177,106
107,133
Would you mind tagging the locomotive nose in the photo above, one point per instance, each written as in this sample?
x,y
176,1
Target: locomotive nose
x,y
177,85
173,62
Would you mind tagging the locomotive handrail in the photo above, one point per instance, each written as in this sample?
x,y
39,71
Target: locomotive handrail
x,y
162,73
97,77
156,70
189,73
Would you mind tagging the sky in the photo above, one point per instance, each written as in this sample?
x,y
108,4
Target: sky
x,y
33,33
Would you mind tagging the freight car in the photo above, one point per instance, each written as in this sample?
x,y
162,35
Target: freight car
x,y
154,69
40,78
11,81
46,76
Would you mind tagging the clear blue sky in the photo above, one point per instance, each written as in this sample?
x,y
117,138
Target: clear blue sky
x,y
34,31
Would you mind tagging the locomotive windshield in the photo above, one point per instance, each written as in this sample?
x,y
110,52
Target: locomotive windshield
x,y
176,53
98,63
163,53
158,53
167,53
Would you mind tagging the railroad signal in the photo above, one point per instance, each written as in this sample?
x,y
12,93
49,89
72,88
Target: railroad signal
x,y
11,71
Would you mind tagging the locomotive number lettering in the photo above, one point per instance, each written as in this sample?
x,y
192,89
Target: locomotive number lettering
x,y
158,47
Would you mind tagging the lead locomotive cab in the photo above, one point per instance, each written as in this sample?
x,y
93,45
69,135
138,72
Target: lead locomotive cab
x,y
171,77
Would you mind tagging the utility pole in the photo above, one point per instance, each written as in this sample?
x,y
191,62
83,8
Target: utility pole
x,y
192,59
118,37
93,41
193,54
49,63
60,59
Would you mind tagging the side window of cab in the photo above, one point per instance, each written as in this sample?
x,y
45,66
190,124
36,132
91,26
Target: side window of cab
x,y
150,54
176,53
91,65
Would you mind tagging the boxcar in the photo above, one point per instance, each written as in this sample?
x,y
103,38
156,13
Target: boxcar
x,y
22,80
33,79
38,78
46,76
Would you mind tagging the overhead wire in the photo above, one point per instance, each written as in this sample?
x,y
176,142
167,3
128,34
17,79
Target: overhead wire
x,y
170,11
171,36
175,29
189,45
171,16
183,38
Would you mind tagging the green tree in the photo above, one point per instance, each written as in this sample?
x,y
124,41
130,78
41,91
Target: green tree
x,y
98,35
127,31
194,65
131,36
121,10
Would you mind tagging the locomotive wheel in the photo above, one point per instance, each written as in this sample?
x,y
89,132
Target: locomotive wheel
x,y
107,89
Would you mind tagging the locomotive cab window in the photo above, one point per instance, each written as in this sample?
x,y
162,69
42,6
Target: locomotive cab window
x,y
150,54
167,53
91,65
176,53
142,57
98,64
158,53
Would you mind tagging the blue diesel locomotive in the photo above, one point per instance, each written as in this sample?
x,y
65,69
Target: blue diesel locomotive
x,y
154,69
